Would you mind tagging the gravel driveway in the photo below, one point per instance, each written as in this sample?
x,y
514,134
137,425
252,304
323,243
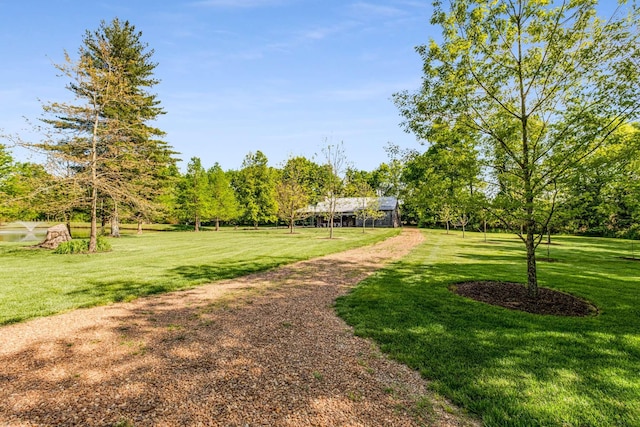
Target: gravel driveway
x,y
262,350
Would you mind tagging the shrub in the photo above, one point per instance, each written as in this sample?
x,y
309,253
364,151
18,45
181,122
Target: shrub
x,y
81,246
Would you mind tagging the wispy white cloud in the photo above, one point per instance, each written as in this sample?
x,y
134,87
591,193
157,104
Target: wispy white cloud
x,y
311,35
320,33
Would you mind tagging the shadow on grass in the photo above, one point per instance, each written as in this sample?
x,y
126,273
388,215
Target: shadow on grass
x,y
203,363
106,291
187,276
509,367
208,273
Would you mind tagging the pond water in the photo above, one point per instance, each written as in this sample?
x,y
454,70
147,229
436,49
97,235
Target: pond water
x,y
22,232
37,231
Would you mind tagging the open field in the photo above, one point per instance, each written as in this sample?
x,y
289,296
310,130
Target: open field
x,y
263,349
39,283
512,368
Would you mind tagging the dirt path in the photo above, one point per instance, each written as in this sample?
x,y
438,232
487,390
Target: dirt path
x,y
262,350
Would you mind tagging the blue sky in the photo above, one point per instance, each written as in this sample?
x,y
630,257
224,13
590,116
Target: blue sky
x,y
286,77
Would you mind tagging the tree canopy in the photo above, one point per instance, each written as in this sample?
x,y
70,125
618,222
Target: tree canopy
x,y
544,84
255,187
103,140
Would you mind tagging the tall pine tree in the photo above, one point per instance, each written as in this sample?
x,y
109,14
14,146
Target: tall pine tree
x,y
104,140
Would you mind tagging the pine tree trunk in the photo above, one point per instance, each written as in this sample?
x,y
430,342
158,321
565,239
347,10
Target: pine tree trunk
x,y
93,233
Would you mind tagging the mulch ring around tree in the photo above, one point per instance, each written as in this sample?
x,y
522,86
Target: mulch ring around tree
x,y
515,297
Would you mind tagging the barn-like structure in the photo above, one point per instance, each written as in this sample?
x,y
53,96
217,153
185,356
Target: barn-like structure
x,y
346,209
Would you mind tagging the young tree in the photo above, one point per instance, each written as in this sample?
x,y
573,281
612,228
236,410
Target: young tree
x,y
446,215
368,204
336,162
294,189
255,187
224,206
104,141
544,83
291,200
142,157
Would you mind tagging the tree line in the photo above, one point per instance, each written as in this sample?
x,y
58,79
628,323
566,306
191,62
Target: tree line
x,y
528,111
256,194
106,162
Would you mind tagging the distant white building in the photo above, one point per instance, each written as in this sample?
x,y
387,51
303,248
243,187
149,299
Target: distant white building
x,y
347,207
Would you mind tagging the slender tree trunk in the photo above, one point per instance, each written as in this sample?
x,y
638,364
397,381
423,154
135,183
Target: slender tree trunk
x,y
93,233
217,224
139,225
532,275
331,226
291,226
115,221
196,226
103,217
529,228
529,165
485,231
464,223
447,227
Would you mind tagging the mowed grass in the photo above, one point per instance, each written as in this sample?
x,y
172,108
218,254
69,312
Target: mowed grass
x,y
512,368
35,282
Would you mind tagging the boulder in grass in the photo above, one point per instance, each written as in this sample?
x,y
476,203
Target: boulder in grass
x,y
56,235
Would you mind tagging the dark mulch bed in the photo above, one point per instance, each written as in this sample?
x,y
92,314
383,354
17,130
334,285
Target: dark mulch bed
x,y
514,296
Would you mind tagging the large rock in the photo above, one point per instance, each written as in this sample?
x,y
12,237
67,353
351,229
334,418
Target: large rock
x,y
56,235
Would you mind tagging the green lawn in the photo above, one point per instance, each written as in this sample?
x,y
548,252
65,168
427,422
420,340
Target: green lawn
x,y
512,368
36,282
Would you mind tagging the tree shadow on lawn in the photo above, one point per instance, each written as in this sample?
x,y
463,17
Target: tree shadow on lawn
x,y
183,277
106,291
510,367
205,273
588,249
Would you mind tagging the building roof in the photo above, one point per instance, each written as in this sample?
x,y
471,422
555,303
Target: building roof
x,y
352,204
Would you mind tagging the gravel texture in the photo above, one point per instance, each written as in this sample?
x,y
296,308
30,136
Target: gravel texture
x,y
262,350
